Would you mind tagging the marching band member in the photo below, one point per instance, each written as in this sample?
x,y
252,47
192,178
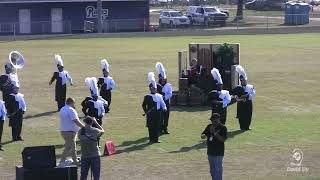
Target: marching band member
x,y
3,114
152,106
219,98
8,81
61,78
106,83
244,94
16,108
93,105
165,89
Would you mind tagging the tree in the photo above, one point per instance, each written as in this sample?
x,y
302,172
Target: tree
x,y
239,10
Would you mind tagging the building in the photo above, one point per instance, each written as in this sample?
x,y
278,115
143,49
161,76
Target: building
x,y
71,16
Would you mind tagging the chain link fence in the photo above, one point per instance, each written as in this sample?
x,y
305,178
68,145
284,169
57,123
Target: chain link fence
x,y
38,27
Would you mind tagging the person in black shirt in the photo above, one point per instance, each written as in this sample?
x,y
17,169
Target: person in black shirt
x,y
216,134
61,78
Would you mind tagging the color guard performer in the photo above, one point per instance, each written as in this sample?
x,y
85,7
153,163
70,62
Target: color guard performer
x,y
16,108
61,78
93,105
219,98
3,114
106,83
244,94
165,89
152,106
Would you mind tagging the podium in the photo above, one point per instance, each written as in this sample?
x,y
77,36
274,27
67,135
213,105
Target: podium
x,y
65,173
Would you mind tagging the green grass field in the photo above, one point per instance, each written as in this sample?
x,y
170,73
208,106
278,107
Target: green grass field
x,y
283,68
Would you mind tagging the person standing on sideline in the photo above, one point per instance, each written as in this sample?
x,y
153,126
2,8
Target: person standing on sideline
x,y
16,107
219,99
90,154
61,78
106,83
216,134
3,114
69,126
165,89
152,106
244,94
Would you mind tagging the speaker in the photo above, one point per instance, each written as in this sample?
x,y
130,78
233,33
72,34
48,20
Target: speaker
x,y
65,173
39,157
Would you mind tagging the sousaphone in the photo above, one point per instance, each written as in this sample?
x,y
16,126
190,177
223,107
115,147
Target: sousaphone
x,y
16,59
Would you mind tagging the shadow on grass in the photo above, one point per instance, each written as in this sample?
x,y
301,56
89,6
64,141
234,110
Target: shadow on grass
x,y
200,145
232,134
7,142
198,108
40,115
130,146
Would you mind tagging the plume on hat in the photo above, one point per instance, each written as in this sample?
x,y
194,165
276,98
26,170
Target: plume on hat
x,y
152,79
241,72
161,70
92,83
105,65
216,75
58,60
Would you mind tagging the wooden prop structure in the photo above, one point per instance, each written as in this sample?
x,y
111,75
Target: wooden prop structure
x,y
208,55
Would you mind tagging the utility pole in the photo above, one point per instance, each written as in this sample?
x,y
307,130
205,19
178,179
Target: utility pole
x,y
99,16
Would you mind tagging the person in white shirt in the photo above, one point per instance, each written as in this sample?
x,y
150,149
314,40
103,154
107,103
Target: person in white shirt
x,y
3,114
69,126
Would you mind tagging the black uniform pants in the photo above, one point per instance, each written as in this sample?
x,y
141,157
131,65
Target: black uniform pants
x,y
106,95
154,126
244,114
165,117
61,103
1,129
61,92
16,125
99,121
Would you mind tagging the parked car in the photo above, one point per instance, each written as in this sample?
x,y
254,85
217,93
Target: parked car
x,y
315,2
173,18
265,5
207,15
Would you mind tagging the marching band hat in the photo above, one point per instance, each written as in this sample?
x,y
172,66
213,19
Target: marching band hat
x,y
152,80
105,65
241,72
91,82
216,76
58,60
161,70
